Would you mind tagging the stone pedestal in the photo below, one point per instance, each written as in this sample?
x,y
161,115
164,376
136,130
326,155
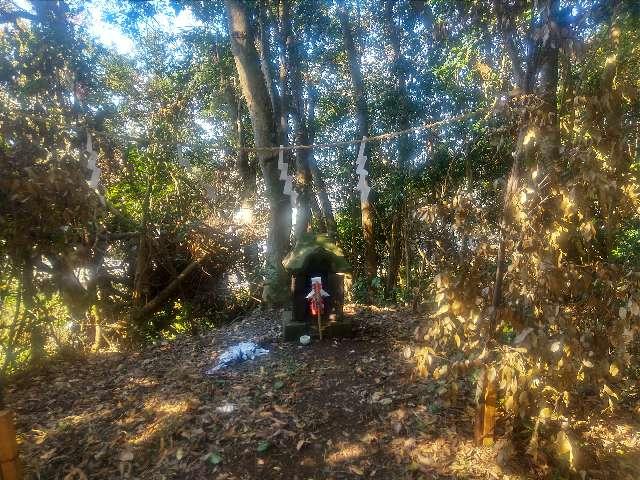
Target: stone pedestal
x,y
342,328
334,328
292,331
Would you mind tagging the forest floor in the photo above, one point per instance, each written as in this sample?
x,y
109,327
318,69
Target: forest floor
x,y
341,409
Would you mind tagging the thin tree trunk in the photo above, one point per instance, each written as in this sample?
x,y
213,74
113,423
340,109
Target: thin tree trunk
x,y
30,320
248,176
143,257
291,64
362,117
265,24
97,337
282,38
318,179
407,251
254,90
543,60
10,343
511,189
395,248
548,91
612,124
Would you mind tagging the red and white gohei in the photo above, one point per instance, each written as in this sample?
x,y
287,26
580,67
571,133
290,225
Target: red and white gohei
x,y
316,296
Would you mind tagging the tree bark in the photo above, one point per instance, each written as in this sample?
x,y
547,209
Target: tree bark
x,y
143,255
362,117
549,150
264,25
399,69
303,173
318,179
254,90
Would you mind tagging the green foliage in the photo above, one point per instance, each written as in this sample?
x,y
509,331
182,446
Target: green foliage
x,y
366,292
627,247
570,234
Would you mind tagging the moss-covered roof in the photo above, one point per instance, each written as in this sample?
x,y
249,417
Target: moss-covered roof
x,y
311,245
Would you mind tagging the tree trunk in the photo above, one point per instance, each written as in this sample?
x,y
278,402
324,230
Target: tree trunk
x,y
248,176
549,146
30,321
362,117
303,173
399,69
318,179
282,37
543,60
266,66
97,337
511,188
611,123
407,251
143,256
255,92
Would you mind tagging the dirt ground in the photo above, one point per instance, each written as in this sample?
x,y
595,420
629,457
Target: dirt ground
x,y
340,409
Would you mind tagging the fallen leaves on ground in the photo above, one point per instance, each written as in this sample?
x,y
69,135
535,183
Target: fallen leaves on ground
x,y
335,409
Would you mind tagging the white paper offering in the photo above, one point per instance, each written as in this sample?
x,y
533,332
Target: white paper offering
x,y
362,186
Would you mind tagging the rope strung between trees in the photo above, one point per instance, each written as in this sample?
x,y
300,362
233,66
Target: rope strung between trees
x,y
288,189
378,138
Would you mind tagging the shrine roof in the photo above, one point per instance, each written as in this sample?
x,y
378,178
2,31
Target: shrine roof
x,y
315,245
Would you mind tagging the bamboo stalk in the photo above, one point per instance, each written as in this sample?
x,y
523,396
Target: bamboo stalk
x,y
9,465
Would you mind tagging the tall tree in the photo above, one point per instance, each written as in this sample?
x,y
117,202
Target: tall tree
x,y
293,105
362,117
399,64
542,64
318,179
266,25
255,92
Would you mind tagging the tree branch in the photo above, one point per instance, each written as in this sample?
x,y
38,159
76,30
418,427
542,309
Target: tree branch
x,y
156,303
7,17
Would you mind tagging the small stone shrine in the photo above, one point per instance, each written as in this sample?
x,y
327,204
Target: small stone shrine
x,y
316,265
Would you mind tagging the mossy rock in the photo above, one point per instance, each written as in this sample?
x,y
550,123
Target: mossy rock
x,y
309,246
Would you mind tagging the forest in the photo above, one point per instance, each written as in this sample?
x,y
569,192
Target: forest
x,y
423,216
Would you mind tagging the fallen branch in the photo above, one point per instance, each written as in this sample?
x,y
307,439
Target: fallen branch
x,y
156,303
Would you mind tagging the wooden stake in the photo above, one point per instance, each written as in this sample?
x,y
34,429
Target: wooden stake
x,y
484,429
9,467
489,420
478,425
319,325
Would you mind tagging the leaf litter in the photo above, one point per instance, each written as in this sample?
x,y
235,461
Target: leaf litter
x,y
349,408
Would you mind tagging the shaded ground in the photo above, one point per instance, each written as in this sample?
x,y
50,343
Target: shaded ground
x,y
334,410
